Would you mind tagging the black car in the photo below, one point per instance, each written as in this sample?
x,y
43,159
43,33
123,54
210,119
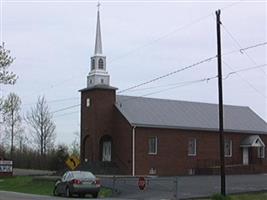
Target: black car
x,y
77,182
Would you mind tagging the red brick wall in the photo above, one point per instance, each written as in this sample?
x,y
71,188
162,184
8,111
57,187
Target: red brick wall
x,y
96,120
172,155
103,118
122,134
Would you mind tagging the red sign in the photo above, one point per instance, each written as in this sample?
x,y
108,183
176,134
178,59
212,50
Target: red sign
x,y
141,183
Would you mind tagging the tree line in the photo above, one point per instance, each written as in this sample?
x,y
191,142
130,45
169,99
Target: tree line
x,y
36,149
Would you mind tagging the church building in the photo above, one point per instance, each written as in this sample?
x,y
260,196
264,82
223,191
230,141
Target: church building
x,y
150,136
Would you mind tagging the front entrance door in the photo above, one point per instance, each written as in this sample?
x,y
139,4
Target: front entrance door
x,y
106,153
245,156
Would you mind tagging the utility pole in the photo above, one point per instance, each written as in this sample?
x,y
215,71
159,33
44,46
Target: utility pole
x,y
220,91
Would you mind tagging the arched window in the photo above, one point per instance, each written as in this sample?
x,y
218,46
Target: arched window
x,y
100,63
92,64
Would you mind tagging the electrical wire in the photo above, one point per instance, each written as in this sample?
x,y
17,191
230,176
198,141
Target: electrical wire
x,y
162,37
54,101
66,108
244,80
245,49
178,85
240,46
197,81
169,74
190,66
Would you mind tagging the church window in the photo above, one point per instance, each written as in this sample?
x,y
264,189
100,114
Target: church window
x,y
92,64
261,152
192,147
102,80
87,102
227,148
152,145
100,63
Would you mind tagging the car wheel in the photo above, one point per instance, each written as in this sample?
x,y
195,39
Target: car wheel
x,y
95,195
55,192
67,192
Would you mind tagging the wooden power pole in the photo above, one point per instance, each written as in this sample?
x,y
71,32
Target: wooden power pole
x,y
220,91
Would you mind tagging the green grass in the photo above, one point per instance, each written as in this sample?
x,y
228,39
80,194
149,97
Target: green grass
x,y
26,184
105,192
250,196
254,196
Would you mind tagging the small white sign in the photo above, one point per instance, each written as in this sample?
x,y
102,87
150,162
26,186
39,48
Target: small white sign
x,y
6,162
6,166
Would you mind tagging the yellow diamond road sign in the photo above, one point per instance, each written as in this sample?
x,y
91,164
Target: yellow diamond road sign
x,y
72,162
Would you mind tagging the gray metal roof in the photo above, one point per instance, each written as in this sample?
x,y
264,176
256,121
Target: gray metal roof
x,y
163,113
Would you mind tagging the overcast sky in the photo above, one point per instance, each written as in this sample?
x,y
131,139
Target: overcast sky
x,y
54,40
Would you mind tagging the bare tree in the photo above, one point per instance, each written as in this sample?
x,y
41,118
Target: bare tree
x,y
75,145
12,118
43,127
6,77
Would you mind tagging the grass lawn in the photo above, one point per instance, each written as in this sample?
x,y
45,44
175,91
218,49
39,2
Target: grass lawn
x,y
27,184
250,196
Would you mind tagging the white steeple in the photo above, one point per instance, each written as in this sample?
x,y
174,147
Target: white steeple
x,y
98,74
98,42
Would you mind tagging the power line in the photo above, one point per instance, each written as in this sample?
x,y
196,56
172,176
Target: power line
x,y
240,46
54,101
175,84
253,46
181,28
157,39
171,88
246,48
65,114
162,37
246,69
66,108
246,81
190,66
182,69
169,74
197,81
178,85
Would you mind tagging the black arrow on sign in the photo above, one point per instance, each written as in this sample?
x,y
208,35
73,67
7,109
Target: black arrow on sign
x,y
74,163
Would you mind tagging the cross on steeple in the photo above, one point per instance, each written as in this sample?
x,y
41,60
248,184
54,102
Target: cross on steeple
x,y
98,5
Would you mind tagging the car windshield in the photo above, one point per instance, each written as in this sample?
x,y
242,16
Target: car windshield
x,y
83,175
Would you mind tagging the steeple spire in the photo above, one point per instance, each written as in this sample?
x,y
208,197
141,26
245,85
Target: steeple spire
x,y
98,42
98,74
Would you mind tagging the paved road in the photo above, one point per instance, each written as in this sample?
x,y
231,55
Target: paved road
x,y
20,196
188,186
